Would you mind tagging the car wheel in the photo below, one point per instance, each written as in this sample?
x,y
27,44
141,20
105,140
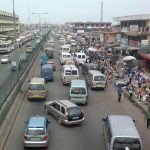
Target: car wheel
x,y
59,121
46,110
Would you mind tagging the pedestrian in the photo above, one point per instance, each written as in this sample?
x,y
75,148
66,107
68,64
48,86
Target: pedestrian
x,y
120,92
139,93
147,117
130,91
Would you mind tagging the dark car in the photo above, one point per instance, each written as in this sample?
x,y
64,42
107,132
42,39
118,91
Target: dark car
x,y
13,66
89,66
49,52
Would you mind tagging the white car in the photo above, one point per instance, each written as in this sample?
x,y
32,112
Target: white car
x,y
5,59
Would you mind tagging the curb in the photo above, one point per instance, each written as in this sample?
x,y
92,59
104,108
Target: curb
x,y
134,102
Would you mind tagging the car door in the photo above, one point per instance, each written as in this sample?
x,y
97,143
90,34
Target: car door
x,y
62,113
107,134
54,109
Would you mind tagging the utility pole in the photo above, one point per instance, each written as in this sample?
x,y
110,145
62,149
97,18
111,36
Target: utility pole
x,y
14,19
29,20
101,18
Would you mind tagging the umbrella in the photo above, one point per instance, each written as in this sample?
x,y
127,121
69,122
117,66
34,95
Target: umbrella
x,y
92,49
127,58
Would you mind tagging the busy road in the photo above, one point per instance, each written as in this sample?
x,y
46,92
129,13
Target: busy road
x,y
89,134
7,76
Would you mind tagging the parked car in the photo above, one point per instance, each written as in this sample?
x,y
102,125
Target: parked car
x,y
36,132
65,111
5,59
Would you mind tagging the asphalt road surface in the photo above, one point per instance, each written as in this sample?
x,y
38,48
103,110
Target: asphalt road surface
x,y
88,135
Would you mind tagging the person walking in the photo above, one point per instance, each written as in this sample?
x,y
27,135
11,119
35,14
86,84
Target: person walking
x,y
130,91
147,117
120,92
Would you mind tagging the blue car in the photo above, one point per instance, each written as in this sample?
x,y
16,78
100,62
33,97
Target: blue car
x,y
43,59
47,72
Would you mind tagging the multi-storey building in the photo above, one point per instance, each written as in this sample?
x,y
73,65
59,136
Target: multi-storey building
x,y
7,23
87,26
135,34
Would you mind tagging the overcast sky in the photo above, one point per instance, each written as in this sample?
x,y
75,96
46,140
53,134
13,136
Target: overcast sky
x,y
61,11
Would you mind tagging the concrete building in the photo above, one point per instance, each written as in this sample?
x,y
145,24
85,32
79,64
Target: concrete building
x,y
135,35
135,29
87,26
7,23
110,35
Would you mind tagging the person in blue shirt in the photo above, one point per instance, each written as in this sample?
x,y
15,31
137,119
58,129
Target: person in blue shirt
x,y
120,92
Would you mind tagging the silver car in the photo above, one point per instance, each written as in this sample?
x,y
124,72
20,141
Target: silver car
x,y
36,132
65,112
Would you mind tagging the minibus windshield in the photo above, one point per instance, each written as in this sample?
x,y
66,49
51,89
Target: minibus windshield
x,y
124,143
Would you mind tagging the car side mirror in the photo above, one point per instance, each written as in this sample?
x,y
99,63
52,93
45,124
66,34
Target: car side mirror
x,y
26,122
103,119
48,121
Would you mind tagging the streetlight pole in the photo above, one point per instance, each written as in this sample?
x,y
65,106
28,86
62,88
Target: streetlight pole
x,y
39,16
15,46
14,19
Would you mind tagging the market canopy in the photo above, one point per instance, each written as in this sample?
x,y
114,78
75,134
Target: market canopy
x,y
92,49
128,58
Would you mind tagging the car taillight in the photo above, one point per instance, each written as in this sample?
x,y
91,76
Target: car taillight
x,y
46,137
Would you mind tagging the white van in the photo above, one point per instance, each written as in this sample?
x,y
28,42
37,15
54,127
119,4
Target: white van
x,y
64,56
95,79
65,48
120,133
73,42
69,72
80,57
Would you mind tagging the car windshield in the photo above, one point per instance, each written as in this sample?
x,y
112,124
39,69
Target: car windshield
x,y
5,57
78,90
74,111
92,67
36,87
124,143
99,78
35,131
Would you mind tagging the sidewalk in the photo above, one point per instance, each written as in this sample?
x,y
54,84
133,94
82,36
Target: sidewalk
x,y
140,104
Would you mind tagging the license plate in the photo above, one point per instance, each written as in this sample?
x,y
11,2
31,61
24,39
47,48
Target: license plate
x,y
35,139
36,95
75,118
